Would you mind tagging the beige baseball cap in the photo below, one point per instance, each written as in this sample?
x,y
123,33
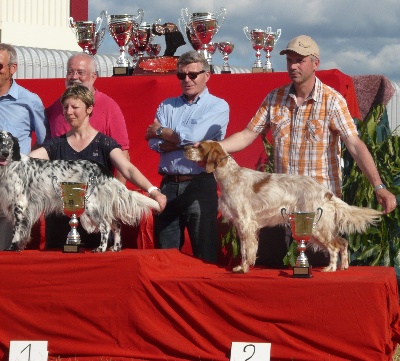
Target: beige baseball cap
x,y
302,45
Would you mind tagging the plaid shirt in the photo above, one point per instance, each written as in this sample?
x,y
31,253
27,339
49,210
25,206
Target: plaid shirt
x,y
306,138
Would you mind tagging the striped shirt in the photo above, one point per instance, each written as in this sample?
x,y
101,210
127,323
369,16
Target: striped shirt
x,y
306,138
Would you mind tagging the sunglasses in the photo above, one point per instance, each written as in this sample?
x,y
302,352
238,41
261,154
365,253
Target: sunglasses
x,y
191,75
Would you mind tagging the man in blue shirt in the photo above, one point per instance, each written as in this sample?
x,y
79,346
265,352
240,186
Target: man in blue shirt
x,y
192,199
21,113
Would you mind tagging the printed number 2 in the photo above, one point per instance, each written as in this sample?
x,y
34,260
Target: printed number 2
x,y
254,351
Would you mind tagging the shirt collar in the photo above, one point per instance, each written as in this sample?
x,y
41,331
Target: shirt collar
x,y
198,97
13,91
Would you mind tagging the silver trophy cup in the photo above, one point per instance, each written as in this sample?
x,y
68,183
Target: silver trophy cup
x,y
302,225
269,44
89,34
225,48
200,28
74,197
257,39
142,37
121,28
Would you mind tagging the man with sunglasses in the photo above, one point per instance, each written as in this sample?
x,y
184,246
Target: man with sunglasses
x,y
21,113
192,199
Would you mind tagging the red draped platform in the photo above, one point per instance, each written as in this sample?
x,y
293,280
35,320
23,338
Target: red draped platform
x,y
146,304
164,305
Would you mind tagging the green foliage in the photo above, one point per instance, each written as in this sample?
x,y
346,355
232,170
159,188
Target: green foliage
x,y
380,245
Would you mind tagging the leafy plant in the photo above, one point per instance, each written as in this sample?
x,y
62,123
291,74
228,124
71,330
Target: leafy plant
x,y
380,245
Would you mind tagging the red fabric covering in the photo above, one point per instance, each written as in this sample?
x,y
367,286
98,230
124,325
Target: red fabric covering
x,y
163,305
139,96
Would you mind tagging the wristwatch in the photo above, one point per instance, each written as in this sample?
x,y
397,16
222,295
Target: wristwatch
x,y
159,132
379,186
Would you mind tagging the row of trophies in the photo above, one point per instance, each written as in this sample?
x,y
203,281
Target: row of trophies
x,y
131,33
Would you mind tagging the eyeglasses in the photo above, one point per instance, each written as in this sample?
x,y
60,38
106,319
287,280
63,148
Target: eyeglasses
x,y
80,73
192,75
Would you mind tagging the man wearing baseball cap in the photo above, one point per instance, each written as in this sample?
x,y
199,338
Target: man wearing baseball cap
x,y
308,120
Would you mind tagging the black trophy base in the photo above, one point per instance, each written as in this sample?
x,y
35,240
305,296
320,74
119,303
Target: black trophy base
x,y
302,272
257,70
122,70
74,248
226,72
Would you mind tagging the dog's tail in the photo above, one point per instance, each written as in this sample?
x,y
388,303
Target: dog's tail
x,y
131,206
352,219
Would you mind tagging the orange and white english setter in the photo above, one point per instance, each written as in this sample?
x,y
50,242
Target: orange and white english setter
x,y
252,200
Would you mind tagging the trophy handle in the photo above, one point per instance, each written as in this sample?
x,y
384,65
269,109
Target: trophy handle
x,y
91,184
139,15
221,13
283,213
100,19
320,211
246,32
181,20
54,181
71,24
278,35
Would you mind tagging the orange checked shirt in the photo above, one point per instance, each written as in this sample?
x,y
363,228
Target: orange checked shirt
x,y
306,138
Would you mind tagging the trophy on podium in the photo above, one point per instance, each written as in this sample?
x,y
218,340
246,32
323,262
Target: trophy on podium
x,y
74,196
257,39
302,225
225,48
200,28
121,28
269,44
89,34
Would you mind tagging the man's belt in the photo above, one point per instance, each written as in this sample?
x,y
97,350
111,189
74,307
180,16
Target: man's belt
x,y
177,178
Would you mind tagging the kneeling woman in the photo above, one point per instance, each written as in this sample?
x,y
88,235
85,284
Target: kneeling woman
x,y
82,141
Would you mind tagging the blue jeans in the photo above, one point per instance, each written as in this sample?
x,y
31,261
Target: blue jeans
x,y
192,205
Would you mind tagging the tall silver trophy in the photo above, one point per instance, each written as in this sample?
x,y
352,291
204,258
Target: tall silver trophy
x,y
269,44
89,34
225,48
121,28
200,28
74,197
257,39
302,225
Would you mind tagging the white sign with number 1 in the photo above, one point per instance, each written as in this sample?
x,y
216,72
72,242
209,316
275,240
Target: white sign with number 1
x,y
250,351
28,351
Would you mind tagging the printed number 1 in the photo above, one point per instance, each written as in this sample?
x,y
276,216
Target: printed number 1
x,y
29,353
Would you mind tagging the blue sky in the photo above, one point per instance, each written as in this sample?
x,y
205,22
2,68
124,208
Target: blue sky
x,y
355,36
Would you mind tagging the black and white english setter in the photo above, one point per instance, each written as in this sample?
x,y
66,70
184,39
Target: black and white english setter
x,y
252,200
26,191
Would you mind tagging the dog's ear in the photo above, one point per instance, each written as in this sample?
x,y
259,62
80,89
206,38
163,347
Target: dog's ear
x,y
16,149
213,156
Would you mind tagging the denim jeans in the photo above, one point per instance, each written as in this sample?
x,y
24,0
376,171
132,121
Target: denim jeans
x,y
191,205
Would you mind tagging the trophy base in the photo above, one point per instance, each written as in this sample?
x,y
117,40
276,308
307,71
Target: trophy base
x,y
302,272
226,72
269,70
257,70
122,70
74,248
